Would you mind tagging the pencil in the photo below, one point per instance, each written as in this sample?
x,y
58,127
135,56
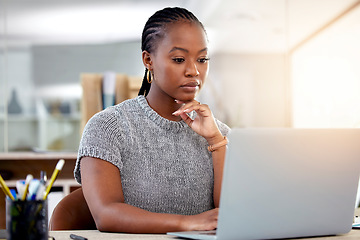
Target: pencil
x,y
5,188
57,169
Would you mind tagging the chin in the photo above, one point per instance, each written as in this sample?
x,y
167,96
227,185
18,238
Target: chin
x,y
186,98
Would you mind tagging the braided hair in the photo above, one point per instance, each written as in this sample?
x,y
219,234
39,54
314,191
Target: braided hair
x,y
154,30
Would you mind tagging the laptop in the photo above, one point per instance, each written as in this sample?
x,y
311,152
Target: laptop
x,y
287,183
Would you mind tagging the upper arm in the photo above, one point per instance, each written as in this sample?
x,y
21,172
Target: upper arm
x,y
101,183
102,189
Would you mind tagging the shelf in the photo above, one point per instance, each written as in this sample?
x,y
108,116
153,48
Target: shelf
x,y
16,165
30,118
38,156
19,118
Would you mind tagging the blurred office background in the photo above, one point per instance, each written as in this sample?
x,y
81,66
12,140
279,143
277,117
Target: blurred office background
x,y
274,63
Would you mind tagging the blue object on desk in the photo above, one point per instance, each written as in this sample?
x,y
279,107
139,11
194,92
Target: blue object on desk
x,y
356,226
13,193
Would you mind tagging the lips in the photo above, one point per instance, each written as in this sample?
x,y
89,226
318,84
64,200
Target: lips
x,y
191,87
192,84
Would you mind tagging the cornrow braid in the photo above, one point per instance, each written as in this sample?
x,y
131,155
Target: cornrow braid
x,y
145,86
154,30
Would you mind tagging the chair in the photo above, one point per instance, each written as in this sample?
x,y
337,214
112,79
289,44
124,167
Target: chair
x,y
72,213
125,87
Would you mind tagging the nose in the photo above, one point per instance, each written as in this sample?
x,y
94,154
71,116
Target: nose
x,y
192,70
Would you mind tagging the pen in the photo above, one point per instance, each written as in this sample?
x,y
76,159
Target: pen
x,y
40,192
33,189
20,187
13,193
41,189
29,178
43,177
5,188
76,237
58,168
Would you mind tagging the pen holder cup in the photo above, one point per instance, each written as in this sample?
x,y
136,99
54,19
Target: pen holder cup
x,y
27,220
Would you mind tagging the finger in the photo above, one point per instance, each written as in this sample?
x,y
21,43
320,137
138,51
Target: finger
x,y
201,110
188,107
186,119
182,102
179,102
189,103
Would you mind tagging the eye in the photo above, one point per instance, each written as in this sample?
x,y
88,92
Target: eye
x,y
203,60
178,60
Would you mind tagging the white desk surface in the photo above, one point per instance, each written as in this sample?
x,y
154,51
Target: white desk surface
x,y
96,235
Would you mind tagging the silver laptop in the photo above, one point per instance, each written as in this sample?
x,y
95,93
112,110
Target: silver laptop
x,y
287,183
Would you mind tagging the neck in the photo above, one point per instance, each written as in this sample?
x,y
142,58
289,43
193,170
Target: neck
x,y
163,105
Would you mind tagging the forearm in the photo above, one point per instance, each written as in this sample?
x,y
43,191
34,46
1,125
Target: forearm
x,y
218,164
121,217
218,156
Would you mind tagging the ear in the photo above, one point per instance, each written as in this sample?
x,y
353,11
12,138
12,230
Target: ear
x,y
147,60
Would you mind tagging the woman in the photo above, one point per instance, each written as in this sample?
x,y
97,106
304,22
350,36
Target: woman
x,y
144,164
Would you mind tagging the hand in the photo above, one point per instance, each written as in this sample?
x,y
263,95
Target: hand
x,y
202,222
204,123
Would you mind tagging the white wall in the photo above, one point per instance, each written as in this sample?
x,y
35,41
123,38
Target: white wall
x,y
247,90
326,77
63,64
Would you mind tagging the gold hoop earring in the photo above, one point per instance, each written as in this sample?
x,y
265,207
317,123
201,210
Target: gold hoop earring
x,y
148,76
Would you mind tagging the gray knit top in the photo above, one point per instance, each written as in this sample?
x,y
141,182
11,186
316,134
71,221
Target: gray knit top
x,y
164,165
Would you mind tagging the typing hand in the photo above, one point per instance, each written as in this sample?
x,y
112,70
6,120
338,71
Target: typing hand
x,y
202,222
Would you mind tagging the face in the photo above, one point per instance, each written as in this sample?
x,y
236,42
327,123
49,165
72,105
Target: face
x,y
180,62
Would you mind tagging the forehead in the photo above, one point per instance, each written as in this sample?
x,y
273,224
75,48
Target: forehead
x,y
188,35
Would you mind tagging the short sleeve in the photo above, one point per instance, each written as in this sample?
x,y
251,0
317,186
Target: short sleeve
x,y
224,129
101,139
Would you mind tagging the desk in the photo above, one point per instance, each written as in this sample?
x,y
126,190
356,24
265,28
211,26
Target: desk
x,y
96,235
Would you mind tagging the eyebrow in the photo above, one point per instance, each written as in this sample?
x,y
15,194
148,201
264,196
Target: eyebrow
x,y
185,50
